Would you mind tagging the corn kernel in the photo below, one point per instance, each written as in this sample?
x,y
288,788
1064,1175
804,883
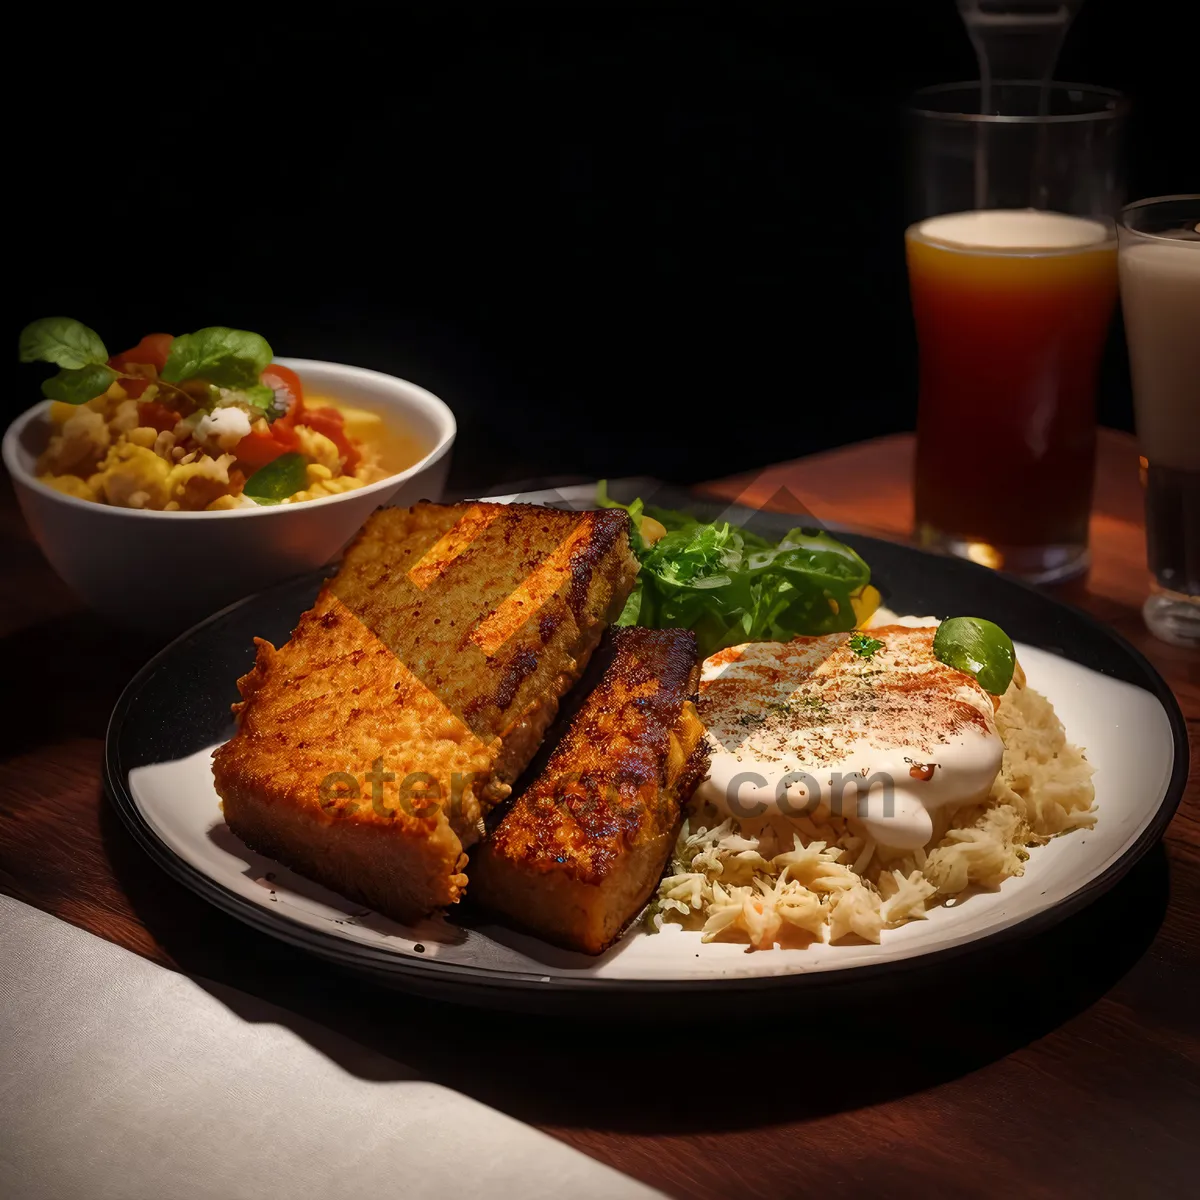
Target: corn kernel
x,y
143,435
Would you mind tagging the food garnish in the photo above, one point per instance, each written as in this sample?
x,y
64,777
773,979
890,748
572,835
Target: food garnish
x,y
229,358
978,647
731,586
76,349
279,479
188,422
864,646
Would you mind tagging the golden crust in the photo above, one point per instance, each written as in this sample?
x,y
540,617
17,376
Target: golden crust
x,y
582,848
372,743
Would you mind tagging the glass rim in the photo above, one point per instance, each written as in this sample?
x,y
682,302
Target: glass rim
x,y
1137,205
1117,108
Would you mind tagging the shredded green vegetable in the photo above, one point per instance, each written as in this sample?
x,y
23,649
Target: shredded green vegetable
x,y
731,586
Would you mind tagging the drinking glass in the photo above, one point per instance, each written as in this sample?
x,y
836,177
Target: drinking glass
x,y
1012,265
1160,297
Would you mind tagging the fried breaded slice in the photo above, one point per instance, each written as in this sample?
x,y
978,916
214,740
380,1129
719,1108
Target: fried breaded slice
x,y
414,692
582,848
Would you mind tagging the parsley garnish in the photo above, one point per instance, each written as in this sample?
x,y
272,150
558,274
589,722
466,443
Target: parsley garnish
x,y
864,646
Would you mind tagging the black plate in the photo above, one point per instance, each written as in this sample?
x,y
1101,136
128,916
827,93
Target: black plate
x,y
179,703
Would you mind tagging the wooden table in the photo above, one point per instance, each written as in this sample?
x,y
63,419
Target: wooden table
x,y
1067,1065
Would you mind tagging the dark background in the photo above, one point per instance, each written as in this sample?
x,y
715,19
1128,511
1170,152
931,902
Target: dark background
x,y
616,238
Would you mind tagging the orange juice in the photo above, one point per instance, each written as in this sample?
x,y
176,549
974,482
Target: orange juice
x,y
1012,308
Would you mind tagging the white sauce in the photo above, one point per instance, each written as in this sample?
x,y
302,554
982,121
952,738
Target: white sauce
x,y
837,753
885,616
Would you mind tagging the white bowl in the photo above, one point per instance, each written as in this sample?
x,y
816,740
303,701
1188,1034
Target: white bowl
x,y
166,570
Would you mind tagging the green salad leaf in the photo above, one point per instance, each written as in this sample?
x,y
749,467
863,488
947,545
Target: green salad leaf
x,y
279,479
730,585
230,358
62,341
79,385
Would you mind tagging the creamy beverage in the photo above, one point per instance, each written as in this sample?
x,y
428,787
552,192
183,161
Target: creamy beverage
x,y
1160,297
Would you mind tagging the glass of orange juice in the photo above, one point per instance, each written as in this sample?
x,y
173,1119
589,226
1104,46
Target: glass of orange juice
x,y
1012,266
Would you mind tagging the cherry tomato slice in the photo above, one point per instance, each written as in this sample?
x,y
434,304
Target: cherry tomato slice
x,y
133,386
152,349
285,380
257,449
157,416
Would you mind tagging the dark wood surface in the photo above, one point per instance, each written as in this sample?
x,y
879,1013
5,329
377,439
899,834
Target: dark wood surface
x,y
1066,1065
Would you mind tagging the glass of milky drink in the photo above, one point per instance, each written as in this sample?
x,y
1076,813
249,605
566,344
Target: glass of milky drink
x,y
1012,263
1160,297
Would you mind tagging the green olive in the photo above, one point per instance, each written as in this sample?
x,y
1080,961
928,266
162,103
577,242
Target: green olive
x,y
979,648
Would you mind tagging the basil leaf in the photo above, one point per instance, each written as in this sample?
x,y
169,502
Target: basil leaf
x,y
62,341
230,358
278,480
979,648
80,385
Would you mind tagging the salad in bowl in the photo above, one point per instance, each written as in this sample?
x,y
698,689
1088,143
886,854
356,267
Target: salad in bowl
x,y
203,421
166,481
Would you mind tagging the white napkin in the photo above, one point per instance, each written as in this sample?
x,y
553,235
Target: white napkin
x,y
121,1079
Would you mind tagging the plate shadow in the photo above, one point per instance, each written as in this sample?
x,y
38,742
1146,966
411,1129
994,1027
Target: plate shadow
x,y
969,1012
